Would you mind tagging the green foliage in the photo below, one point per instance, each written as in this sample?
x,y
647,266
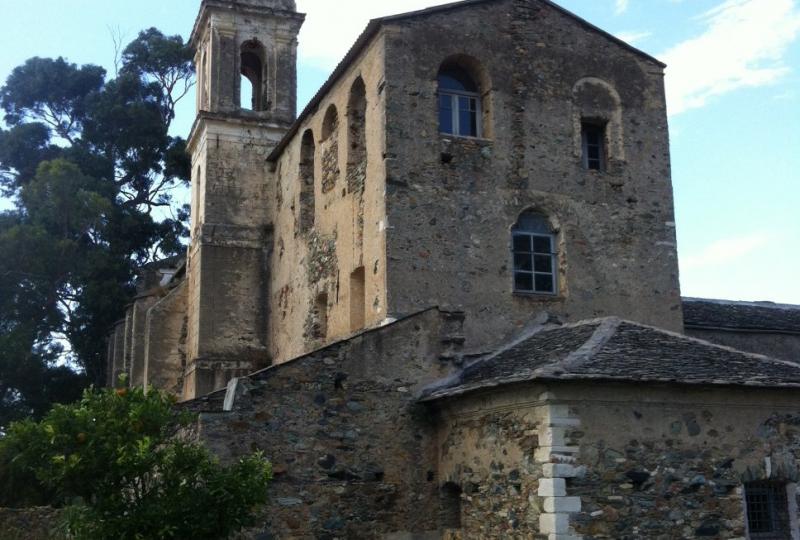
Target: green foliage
x,y
53,91
115,462
91,166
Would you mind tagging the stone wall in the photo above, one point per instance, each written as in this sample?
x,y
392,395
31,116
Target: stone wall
x,y
489,456
138,314
353,455
165,347
665,462
614,461
451,201
506,455
312,283
29,524
227,266
117,361
777,345
219,34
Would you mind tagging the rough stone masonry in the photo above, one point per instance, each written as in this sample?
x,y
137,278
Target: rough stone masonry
x,y
444,298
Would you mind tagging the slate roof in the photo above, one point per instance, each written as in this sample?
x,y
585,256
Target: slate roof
x,y
613,349
729,315
375,25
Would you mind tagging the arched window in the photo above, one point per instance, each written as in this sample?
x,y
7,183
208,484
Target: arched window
x,y
535,256
459,102
330,123
306,214
252,84
357,143
203,77
597,118
329,149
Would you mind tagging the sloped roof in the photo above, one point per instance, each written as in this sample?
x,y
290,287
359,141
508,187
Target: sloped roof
x,y
748,316
613,349
375,25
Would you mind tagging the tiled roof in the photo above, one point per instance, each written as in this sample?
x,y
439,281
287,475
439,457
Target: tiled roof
x,y
612,349
730,315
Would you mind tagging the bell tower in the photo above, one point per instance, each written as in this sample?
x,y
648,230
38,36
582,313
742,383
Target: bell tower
x,y
246,56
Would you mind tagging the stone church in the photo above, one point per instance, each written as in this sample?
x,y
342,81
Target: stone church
x,y
444,298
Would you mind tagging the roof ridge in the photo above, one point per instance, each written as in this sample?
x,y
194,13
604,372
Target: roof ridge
x,y
605,330
538,324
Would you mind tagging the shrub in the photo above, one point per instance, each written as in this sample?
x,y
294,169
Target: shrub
x,y
115,461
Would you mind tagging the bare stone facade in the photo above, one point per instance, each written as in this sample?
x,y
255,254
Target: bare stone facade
x,y
630,462
444,299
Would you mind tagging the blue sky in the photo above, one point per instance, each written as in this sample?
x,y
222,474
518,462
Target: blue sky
x,y
733,90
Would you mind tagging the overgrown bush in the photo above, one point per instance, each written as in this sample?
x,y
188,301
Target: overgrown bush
x,y
116,464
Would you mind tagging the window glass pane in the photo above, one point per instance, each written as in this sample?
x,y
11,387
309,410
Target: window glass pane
x,y
522,242
523,282
467,119
543,263
474,125
544,283
531,222
446,113
523,262
456,79
593,136
541,244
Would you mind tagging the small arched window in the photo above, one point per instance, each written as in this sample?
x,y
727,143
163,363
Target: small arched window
x,y
330,123
252,83
597,119
306,213
329,149
357,143
202,83
535,256
459,102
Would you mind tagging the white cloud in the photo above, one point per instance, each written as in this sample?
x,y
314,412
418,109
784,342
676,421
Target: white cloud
x,y
633,36
725,251
755,266
743,45
331,27
620,6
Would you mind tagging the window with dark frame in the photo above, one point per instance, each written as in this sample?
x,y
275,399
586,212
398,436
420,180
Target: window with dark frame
x,y
535,257
593,139
767,509
459,103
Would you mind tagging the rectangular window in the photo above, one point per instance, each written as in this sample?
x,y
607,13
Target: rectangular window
x,y
357,299
767,508
319,329
593,139
459,115
534,263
